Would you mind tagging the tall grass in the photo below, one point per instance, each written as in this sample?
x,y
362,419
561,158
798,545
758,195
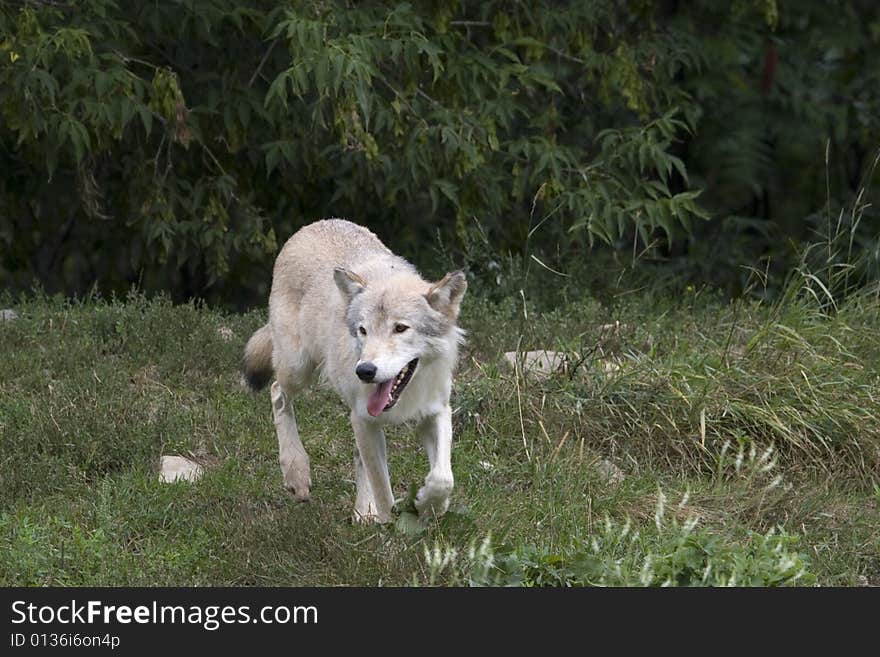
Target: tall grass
x,y
692,373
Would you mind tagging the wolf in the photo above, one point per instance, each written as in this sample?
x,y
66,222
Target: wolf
x,y
346,310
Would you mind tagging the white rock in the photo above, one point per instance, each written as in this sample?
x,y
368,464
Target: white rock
x,y
7,315
610,472
177,468
540,362
225,333
609,366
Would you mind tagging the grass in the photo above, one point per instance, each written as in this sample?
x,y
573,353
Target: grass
x,y
747,434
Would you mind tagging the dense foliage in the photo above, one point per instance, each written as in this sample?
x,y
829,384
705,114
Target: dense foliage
x,y
176,144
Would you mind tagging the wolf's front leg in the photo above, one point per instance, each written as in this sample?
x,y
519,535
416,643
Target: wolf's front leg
x,y
435,432
364,504
295,468
374,496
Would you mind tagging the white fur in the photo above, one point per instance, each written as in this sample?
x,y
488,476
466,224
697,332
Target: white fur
x,y
425,400
338,295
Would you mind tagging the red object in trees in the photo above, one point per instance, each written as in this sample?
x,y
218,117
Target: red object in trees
x,y
768,74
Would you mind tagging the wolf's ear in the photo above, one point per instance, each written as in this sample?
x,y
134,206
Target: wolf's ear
x,y
348,282
445,295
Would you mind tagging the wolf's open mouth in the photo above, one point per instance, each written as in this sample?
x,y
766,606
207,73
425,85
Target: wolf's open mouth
x,y
386,394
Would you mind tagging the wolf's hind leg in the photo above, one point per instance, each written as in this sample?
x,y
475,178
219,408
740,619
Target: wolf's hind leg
x,y
370,441
435,432
295,467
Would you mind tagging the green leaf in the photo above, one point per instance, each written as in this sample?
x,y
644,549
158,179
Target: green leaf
x,y
146,118
409,523
273,157
679,166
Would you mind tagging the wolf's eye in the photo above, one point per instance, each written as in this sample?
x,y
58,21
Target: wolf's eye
x,y
400,328
362,330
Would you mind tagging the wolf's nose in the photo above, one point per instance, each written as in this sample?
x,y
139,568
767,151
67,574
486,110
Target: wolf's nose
x,y
366,372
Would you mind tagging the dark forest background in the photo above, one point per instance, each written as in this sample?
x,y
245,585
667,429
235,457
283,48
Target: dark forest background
x,y
175,145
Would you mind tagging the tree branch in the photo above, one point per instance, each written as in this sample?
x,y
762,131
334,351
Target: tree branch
x,y
262,63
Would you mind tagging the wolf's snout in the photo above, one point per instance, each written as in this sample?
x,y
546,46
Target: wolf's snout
x,y
366,372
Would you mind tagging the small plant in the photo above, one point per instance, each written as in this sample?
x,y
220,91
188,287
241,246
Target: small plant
x,y
473,567
671,553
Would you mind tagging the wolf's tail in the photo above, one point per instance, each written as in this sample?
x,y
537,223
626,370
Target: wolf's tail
x,y
257,362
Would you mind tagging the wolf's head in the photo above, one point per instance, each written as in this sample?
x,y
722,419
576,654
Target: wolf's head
x,y
397,322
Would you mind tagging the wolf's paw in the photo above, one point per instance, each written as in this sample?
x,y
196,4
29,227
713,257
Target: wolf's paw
x,y
432,500
301,492
297,479
368,515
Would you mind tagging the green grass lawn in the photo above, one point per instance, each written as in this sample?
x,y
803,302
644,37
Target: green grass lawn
x,y
748,437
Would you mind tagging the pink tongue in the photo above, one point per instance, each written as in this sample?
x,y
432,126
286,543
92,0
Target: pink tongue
x,y
380,398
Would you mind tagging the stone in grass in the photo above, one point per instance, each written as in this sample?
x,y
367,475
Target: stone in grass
x,y
543,363
609,365
179,468
610,472
540,363
8,315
